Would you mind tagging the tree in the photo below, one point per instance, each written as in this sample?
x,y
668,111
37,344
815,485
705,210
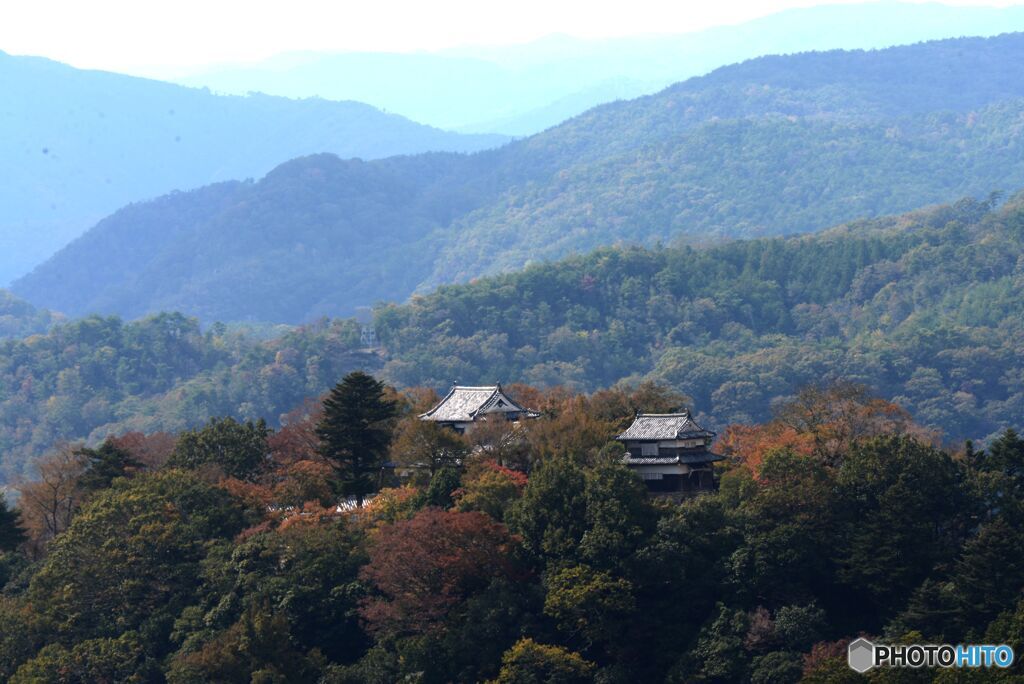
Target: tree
x,y
421,443
95,660
151,450
423,569
239,449
590,606
901,509
719,654
442,486
989,575
839,414
619,516
551,515
531,663
788,530
1006,455
489,487
501,440
104,464
12,534
355,432
131,557
49,502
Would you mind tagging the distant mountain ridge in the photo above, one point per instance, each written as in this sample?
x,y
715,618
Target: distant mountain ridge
x,y
523,89
772,146
84,143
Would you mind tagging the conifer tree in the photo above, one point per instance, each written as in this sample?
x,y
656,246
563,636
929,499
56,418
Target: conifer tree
x,y
355,432
105,464
11,532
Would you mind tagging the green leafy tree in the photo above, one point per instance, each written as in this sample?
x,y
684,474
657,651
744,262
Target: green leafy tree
x,y
528,662
257,648
590,606
1006,455
239,449
442,485
902,507
355,432
12,534
989,575
491,488
130,559
788,532
20,635
719,655
95,660
619,516
551,516
304,574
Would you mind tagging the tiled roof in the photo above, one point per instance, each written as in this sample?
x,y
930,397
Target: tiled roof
x,y
658,426
463,404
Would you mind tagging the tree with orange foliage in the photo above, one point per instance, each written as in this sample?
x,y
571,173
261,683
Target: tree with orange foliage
x,y
581,425
49,502
422,569
750,444
821,421
843,413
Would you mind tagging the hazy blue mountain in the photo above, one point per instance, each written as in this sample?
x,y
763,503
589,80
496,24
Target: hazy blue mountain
x,y
79,144
773,146
522,89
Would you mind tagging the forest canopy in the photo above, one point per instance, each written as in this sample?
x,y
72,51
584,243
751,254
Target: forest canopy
x,y
545,562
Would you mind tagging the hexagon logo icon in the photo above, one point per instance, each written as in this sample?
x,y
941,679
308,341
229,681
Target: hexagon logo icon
x,y
861,655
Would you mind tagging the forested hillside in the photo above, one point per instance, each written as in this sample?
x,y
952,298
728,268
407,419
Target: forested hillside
x,y
104,140
925,308
19,318
773,146
100,376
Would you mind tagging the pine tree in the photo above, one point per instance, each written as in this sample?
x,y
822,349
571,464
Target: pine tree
x,y
355,432
11,532
105,464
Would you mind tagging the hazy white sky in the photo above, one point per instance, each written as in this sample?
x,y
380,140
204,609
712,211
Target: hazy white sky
x,y
138,35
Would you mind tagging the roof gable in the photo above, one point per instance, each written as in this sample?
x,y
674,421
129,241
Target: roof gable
x,y
664,426
464,404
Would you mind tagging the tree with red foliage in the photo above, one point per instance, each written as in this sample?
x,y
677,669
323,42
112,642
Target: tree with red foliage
x,y
424,568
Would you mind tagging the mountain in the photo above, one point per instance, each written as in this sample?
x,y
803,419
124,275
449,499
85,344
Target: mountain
x,y
773,146
84,143
523,89
926,308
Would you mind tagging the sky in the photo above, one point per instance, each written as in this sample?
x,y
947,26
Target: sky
x,y
139,36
